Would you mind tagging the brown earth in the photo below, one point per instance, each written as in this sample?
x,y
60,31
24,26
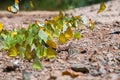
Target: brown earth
x,y
94,57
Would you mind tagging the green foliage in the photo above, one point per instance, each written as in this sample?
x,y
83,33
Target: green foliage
x,y
49,4
37,41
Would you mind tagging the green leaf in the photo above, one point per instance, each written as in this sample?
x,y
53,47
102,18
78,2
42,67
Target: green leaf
x,y
36,64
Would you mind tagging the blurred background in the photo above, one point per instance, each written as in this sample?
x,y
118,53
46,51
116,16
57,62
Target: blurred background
x,y
49,4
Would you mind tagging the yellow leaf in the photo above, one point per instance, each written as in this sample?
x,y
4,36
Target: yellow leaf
x,y
68,33
102,7
13,52
1,27
62,38
51,53
51,43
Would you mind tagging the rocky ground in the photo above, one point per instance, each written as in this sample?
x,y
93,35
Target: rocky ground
x,y
96,56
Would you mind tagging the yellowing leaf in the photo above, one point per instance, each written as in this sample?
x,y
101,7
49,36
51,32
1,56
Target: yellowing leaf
x,y
77,35
1,27
13,52
91,24
51,43
68,33
102,7
62,39
36,64
51,53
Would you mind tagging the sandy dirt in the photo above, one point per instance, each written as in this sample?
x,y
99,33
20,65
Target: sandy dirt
x,y
94,57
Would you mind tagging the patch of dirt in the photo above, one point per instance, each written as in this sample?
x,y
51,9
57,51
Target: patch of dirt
x,y
96,56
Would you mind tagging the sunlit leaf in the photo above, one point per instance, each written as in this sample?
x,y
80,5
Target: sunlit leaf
x,y
102,7
51,53
68,33
36,64
77,34
1,27
51,43
62,39
13,52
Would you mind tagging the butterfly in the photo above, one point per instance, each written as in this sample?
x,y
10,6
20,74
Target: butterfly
x,y
14,8
102,7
